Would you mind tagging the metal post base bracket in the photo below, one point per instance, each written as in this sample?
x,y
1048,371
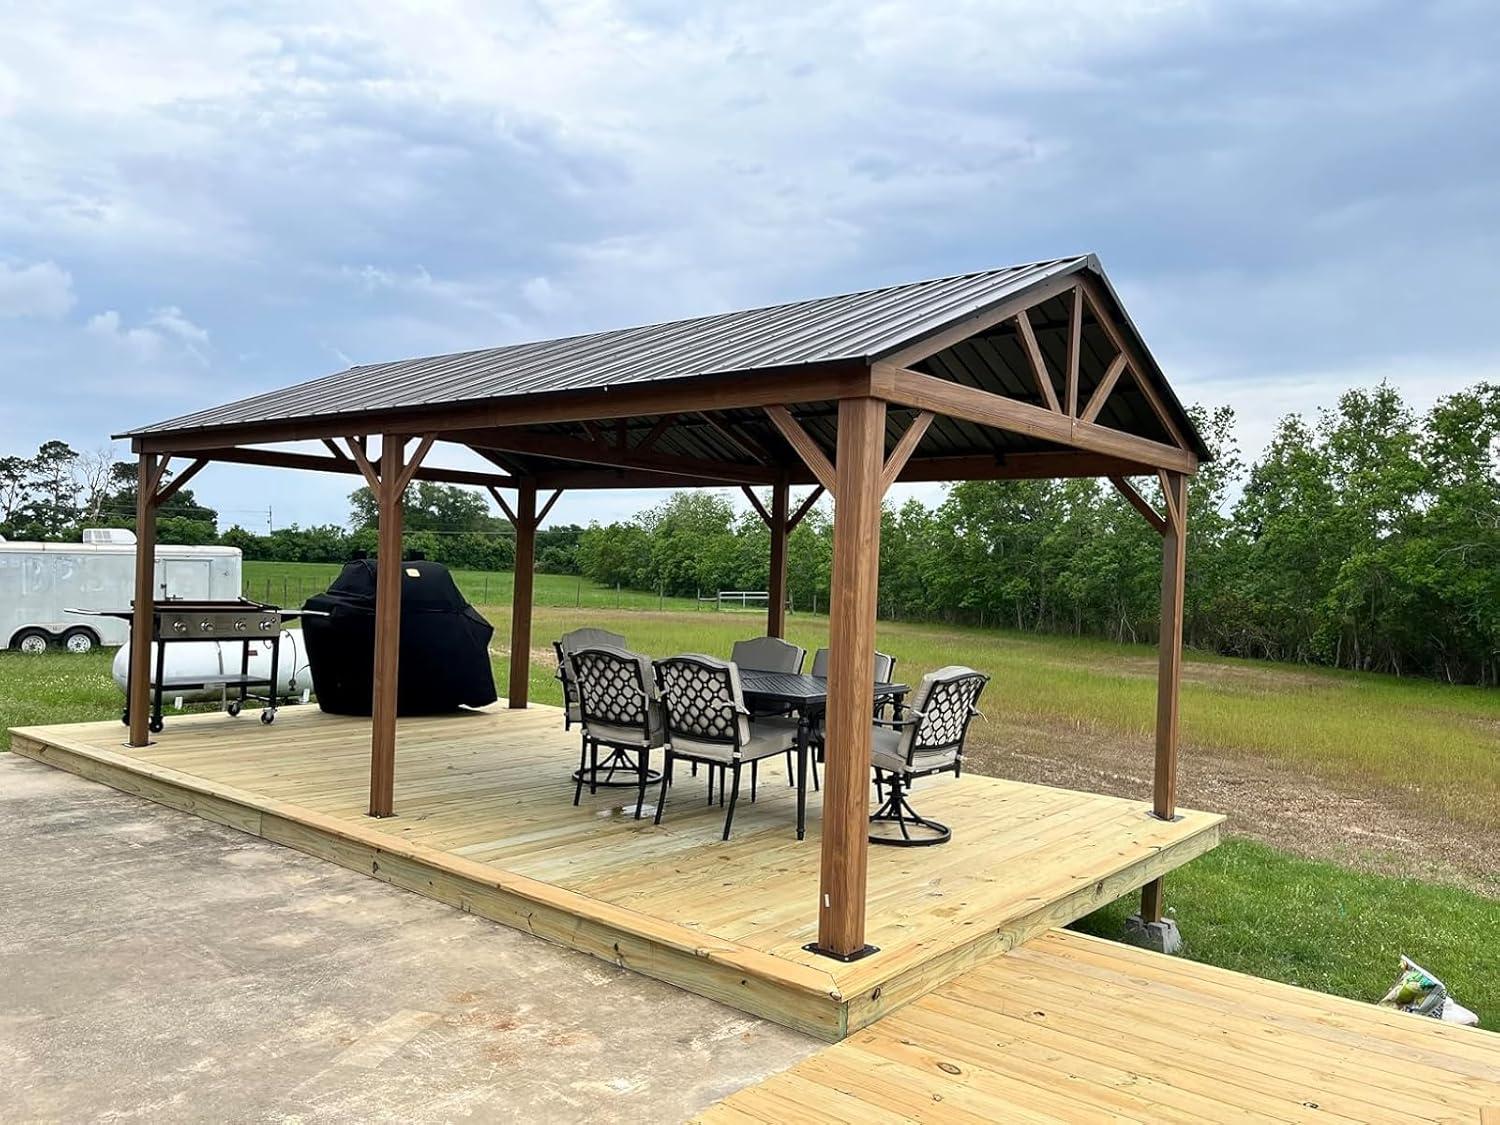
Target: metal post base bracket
x,y
857,955
1161,937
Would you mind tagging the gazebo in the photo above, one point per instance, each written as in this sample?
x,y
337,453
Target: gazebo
x,y
1031,371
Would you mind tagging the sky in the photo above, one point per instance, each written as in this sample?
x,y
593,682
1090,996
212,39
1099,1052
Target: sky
x,y
203,201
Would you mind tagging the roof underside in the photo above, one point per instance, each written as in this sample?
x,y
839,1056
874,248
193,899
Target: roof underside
x,y
858,327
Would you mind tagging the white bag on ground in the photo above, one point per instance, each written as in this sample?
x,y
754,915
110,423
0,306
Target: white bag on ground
x,y
1418,991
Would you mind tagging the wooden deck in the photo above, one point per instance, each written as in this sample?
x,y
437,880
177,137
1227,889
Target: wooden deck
x,y
1072,1028
485,822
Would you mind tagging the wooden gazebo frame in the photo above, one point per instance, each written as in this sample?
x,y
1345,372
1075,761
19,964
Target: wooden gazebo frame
x,y
1029,372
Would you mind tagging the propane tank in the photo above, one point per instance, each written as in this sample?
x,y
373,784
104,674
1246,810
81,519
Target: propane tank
x,y
222,658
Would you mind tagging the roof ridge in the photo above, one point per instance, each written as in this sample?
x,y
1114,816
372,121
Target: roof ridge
x,y
1014,268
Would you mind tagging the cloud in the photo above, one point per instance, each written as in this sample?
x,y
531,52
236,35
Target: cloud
x,y
42,289
1289,197
150,341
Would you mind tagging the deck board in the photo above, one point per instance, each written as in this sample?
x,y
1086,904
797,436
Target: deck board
x,y
485,820
1072,1028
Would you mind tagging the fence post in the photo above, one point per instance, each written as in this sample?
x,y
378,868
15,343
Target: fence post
x,y
578,595
617,595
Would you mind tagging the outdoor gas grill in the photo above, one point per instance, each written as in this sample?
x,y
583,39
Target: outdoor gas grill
x,y
184,621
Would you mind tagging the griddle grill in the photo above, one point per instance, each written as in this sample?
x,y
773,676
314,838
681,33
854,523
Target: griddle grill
x,y
185,621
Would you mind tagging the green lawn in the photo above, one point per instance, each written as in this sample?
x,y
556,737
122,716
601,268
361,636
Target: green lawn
x,y
290,584
1244,906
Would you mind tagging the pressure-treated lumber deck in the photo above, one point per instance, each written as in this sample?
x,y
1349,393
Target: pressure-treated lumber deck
x,y
1072,1028
485,821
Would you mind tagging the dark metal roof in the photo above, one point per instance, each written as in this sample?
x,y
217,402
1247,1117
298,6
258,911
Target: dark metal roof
x,y
860,326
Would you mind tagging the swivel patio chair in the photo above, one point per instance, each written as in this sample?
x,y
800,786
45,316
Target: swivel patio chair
x,y
927,739
885,672
620,709
572,642
707,721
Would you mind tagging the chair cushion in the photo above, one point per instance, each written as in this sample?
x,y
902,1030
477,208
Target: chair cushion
x,y
768,737
767,654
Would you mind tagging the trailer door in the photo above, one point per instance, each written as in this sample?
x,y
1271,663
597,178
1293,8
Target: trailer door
x,y
187,578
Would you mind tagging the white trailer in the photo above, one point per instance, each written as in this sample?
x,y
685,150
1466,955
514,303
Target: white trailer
x,y
39,582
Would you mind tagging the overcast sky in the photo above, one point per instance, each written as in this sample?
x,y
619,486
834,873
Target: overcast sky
x,y
199,202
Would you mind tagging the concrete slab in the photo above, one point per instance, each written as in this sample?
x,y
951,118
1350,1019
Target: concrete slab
x,y
154,965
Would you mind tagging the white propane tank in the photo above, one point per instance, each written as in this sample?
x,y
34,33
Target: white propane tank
x,y
219,658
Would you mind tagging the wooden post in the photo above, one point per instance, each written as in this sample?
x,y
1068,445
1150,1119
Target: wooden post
x,y
387,628
139,703
851,630
1169,668
520,603
781,495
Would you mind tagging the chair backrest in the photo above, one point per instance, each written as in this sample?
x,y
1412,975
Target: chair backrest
x,y
885,666
768,654
948,701
615,688
570,643
703,703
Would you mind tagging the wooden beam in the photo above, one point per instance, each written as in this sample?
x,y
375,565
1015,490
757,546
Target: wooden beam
x,y
781,493
941,396
504,507
333,447
388,577
547,507
804,508
663,424
1052,465
1075,351
1166,491
280,459
361,458
729,391
904,449
1138,368
138,703
851,633
802,443
1169,672
519,689
1140,504
415,462
1102,391
174,486
734,439
1169,678
562,448
1038,363
757,505
972,325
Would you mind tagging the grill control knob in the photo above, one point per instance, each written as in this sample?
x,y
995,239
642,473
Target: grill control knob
x,y
239,625
267,624
179,626
206,626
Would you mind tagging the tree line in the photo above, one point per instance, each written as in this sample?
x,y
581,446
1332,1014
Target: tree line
x,y
1367,538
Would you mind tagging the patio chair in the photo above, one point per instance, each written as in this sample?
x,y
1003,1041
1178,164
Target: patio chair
x,y
620,709
885,672
927,739
572,642
770,654
707,721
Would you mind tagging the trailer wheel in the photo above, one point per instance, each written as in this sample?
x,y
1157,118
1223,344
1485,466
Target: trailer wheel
x,y
32,641
79,640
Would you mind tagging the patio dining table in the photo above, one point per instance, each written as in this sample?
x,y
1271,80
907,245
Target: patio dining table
x,y
807,696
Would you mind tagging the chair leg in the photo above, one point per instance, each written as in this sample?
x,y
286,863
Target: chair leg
x,y
791,772
593,768
583,761
754,769
897,810
666,780
734,795
640,771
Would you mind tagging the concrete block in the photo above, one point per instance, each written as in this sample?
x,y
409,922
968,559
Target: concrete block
x,y
1163,936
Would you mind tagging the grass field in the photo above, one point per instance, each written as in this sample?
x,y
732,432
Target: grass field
x,y
1245,906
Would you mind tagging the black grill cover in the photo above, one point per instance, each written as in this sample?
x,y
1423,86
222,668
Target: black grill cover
x,y
445,658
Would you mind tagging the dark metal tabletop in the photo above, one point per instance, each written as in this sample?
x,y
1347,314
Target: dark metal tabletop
x,y
799,689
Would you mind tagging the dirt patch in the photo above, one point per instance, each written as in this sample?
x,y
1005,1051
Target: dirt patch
x,y
1367,830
